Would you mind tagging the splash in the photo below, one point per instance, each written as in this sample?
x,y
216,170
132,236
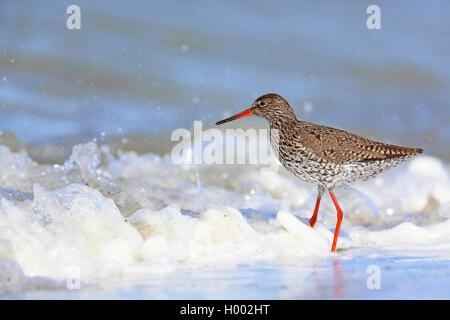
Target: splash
x,y
129,215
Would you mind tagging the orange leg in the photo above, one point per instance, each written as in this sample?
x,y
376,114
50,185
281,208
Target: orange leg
x,y
313,219
340,215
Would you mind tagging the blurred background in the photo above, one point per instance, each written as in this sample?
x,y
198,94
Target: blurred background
x,y
137,70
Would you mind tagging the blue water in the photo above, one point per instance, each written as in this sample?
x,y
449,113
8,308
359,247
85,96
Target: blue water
x,y
333,278
145,68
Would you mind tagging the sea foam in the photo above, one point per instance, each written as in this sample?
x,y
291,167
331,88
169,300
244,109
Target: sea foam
x,y
99,216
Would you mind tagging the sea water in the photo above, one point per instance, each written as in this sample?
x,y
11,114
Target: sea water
x,y
131,225
92,205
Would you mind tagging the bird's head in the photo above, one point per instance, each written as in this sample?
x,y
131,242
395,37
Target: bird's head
x,y
271,107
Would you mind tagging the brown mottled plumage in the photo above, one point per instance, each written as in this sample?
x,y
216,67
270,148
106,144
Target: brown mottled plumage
x,y
325,156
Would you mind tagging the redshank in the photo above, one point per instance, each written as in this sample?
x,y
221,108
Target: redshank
x,y
325,156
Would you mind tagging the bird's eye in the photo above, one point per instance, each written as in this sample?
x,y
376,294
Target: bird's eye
x,y
262,103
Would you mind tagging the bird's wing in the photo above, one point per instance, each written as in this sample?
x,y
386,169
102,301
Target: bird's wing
x,y
338,146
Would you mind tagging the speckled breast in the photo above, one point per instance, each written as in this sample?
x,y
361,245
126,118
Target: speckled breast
x,y
308,167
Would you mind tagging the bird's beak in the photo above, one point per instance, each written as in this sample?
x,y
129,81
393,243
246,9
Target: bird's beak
x,y
245,113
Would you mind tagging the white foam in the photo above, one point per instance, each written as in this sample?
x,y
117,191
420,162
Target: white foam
x,y
142,214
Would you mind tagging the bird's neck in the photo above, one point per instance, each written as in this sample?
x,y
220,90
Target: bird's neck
x,y
281,123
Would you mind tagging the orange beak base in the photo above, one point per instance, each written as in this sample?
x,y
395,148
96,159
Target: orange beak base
x,y
245,113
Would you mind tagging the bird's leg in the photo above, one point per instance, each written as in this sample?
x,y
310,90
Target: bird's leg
x,y
313,219
340,215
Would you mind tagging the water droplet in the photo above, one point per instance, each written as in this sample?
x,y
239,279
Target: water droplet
x,y
308,107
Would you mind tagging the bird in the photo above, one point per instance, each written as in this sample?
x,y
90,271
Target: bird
x,y
325,156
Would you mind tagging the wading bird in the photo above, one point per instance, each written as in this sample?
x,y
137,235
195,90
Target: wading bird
x,y
325,156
